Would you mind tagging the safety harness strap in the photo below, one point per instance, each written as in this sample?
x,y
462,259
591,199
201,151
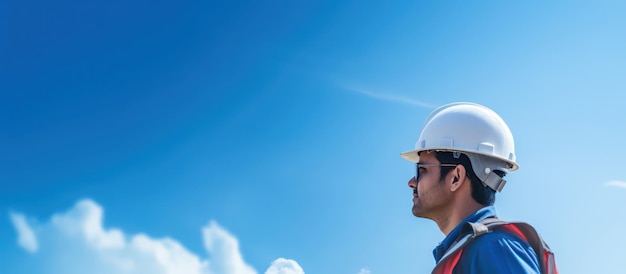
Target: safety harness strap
x,y
527,233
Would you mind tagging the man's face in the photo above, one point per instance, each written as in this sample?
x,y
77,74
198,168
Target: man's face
x,y
432,196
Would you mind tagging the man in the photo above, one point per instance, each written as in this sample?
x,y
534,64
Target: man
x,y
461,156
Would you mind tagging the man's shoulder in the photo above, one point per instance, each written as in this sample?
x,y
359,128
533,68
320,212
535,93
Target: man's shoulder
x,y
500,251
499,239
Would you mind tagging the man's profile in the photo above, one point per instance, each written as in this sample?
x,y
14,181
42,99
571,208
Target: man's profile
x,y
461,157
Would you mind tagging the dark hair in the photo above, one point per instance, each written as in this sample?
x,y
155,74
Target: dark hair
x,y
481,193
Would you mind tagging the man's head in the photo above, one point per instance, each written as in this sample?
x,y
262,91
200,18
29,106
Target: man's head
x,y
465,144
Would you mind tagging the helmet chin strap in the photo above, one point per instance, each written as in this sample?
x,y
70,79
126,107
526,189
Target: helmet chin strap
x,y
484,167
494,181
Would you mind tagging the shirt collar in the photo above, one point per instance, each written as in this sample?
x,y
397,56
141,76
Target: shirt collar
x,y
479,215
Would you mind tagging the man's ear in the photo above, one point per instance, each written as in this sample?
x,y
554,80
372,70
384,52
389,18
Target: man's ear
x,y
458,177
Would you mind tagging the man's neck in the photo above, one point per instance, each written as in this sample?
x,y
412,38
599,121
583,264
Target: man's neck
x,y
457,214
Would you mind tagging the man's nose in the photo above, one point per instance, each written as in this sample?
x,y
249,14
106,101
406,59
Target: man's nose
x,y
413,182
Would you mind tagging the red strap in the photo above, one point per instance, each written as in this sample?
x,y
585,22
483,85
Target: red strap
x,y
515,231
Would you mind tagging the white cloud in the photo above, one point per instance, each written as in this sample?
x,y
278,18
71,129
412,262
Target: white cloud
x,y
85,220
365,271
76,242
225,250
616,183
284,266
25,235
389,97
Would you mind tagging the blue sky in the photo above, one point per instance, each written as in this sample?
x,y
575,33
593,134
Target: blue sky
x,y
229,135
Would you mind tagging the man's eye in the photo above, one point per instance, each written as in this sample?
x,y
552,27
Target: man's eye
x,y
422,170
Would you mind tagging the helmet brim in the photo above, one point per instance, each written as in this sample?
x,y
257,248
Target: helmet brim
x,y
413,156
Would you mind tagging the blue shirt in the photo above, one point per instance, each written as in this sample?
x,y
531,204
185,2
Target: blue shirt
x,y
494,252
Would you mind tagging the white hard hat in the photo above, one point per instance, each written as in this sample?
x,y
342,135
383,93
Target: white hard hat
x,y
474,130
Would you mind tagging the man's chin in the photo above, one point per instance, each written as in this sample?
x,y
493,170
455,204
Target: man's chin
x,y
417,212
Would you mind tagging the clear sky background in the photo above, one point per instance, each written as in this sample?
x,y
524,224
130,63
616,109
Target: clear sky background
x,y
217,137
